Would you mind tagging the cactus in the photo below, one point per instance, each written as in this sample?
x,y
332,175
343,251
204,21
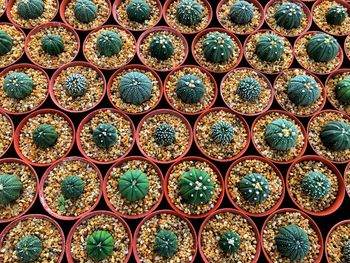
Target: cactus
x,y
222,132
18,85
316,185
241,12
336,14
44,136
254,187
30,9
289,15
109,43
135,88
189,12
164,135
346,251
133,185
335,135
29,248
217,47
85,11
105,135
166,243
303,90
76,85
161,47
190,89
281,134
6,43
10,188
229,242
138,11
342,90
100,245
269,47
322,47
72,187
52,44
196,187
293,242
248,89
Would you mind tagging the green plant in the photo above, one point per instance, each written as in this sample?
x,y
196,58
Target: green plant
x,y
164,134
109,43
18,85
229,242
29,248
289,15
254,187
61,203
281,134
222,132
336,14
52,44
6,43
217,47
135,88
342,90
138,11
241,12
30,9
322,47
316,185
248,89
45,135
10,188
105,135
133,185
166,243
161,47
346,251
293,242
72,187
85,11
303,90
100,245
190,89
76,85
189,12
335,135
269,47
196,187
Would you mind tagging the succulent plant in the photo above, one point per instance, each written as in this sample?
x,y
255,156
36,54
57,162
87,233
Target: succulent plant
x,y
72,187
190,89
105,135
217,47
6,43
52,44
303,90
85,11
45,135
281,134
109,43
335,135
336,14
316,185
293,242
229,242
76,85
346,251
254,187
138,11
100,245
322,47
241,12
248,89
30,9
133,185
189,12
269,47
18,85
10,188
28,248
161,47
166,243
289,15
342,90
135,88
222,132
196,187
164,134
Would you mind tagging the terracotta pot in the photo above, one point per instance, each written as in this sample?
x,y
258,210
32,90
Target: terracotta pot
x,y
219,177
136,234
88,118
276,170
120,163
74,64
346,50
328,236
245,124
202,70
137,67
12,133
311,222
233,211
164,111
345,179
24,121
87,216
43,179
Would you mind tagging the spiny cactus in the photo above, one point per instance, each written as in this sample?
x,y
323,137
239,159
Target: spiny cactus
x,y
335,135
342,90
100,245
45,135
241,12
30,9
138,11
336,14
189,12
105,135
229,242
85,11
161,47
164,134
6,43
52,44
166,243
222,132
281,134
133,185
316,185
269,47
10,188
217,47
29,248
248,89
190,89
76,85
135,88
18,85
289,15
254,187
72,187
325,43
109,43
303,90
346,251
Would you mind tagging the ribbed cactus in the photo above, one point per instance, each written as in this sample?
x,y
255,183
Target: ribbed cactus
x,y
109,43
289,15
217,47
222,132
269,47
229,242
346,251
281,134
190,89
164,134
10,188
76,85
18,85
72,187
28,248
254,187
105,135
189,12
6,43
30,9
241,12
52,44
166,243
100,245
342,90
303,90
316,185
248,89
85,11
161,47
138,11
325,43
45,135
336,14
133,185
335,135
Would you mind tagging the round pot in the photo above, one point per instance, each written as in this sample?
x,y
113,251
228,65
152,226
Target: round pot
x,y
137,231
328,236
87,216
120,163
12,133
42,182
346,48
229,210
347,168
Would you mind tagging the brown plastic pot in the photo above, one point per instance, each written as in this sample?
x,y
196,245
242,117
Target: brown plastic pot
x,y
137,231
341,188
347,168
12,133
246,126
233,211
120,163
328,236
43,179
276,170
24,121
87,216
311,222
219,177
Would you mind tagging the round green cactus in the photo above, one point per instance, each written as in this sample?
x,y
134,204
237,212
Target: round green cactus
x,y
29,248
105,135
316,185
336,14
342,90
293,242
72,187
76,85
322,47
133,185
190,89
346,251
138,11
281,134
100,245
254,187
6,43
241,12
18,85
85,11
109,43
45,135
161,47
52,44
248,89
335,135
217,47
303,90
222,132
135,88
289,15
229,242
269,47
166,243
189,12
10,188
30,9
196,187
164,135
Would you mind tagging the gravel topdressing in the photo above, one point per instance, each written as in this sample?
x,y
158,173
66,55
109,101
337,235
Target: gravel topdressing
x,y
17,50
336,242
6,132
331,91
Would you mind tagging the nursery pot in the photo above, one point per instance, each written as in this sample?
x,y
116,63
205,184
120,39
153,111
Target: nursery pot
x,y
328,236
